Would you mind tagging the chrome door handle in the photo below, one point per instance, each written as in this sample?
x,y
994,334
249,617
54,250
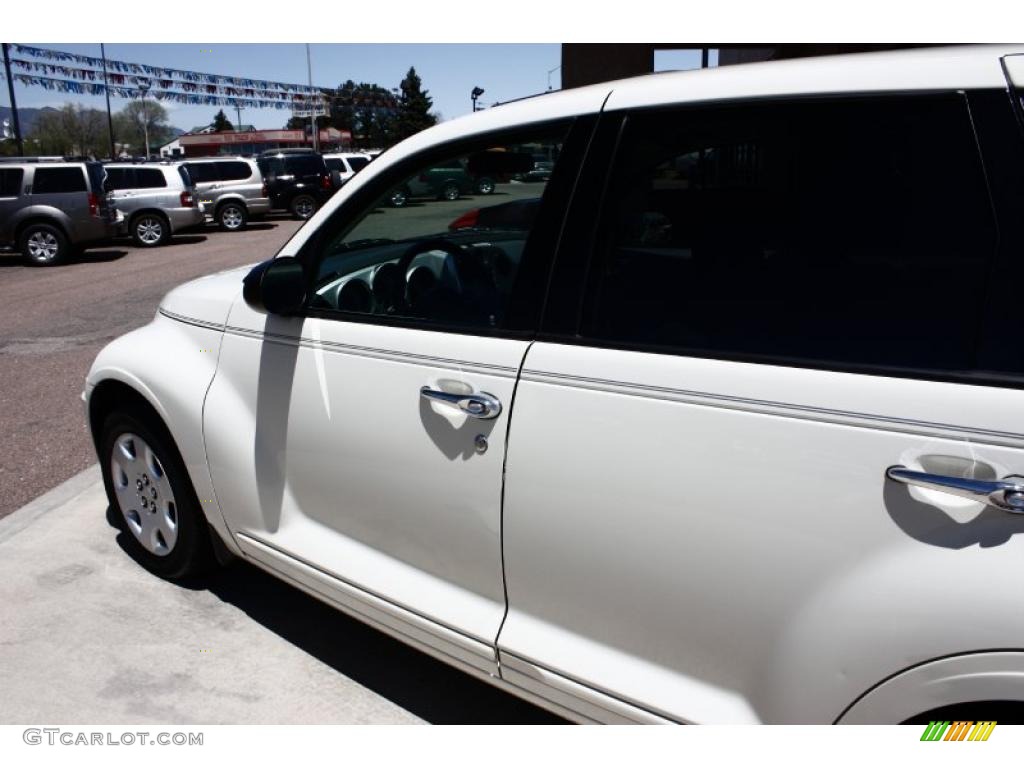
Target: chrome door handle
x,y
479,405
1006,494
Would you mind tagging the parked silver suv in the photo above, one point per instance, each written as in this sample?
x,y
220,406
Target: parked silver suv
x,y
48,208
156,199
230,189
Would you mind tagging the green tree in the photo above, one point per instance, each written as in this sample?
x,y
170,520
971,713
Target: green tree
x,y
364,109
221,123
142,126
72,130
413,107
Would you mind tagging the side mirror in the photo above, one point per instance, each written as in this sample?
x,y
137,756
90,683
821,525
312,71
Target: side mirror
x,y
277,286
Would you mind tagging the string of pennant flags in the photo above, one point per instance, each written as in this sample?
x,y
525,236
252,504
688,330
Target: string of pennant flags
x,y
130,81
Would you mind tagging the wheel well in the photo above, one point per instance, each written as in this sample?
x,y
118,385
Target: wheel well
x,y
110,395
1002,712
234,200
39,220
150,212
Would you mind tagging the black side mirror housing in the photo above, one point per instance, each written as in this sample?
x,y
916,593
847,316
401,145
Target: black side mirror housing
x,y
277,286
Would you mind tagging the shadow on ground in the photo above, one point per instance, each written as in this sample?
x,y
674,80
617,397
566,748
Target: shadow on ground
x,y
413,680
15,259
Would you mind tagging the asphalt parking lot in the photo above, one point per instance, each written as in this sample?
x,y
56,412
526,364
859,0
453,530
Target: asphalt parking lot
x,y
87,635
53,321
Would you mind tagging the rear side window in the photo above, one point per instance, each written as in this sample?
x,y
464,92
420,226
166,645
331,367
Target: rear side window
x,y
358,163
54,180
203,172
335,164
119,178
854,232
10,181
185,177
149,178
304,165
233,171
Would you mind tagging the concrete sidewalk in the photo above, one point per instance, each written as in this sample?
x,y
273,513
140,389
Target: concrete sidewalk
x,y
88,636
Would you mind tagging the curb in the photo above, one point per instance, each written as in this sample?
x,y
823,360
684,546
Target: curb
x,y
20,519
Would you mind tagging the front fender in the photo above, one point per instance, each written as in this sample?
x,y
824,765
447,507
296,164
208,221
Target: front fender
x,y
171,364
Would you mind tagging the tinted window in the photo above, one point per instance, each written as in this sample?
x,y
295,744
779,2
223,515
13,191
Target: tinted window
x,y
452,262
150,178
358,163
853,232
185,178
304,165
10,181
335,164
51,180
203,172
233,170
119,178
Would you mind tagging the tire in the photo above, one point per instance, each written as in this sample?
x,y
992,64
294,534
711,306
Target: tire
x,y
485,186
151,497
43,245
398,198
303,206
232,216
150,230
450,191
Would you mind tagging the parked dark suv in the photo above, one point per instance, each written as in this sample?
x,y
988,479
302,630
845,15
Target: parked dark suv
x,y
298,180
49,208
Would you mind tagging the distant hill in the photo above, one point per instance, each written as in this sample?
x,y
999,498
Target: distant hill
x,y
29,115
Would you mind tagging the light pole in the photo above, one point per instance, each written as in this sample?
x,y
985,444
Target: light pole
x,y
550,73
106,90
312,118
475,94
145,116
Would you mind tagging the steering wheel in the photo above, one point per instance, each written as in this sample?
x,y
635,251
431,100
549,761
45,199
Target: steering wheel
x,y
424,246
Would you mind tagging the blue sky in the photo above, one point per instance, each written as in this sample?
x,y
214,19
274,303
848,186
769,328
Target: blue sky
x,y
449,71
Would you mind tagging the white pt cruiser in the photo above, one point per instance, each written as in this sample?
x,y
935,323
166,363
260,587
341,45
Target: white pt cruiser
x,y
712,411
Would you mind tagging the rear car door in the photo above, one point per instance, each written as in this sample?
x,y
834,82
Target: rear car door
x,y
785,301
11,183
359,450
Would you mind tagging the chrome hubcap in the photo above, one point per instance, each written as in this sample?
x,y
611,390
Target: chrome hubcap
x,y
232,218
42,246
149,230
304,207
144,494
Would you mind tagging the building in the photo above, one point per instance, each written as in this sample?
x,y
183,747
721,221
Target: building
x,y
204,143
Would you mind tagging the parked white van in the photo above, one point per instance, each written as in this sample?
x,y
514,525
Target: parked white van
x,y
729,429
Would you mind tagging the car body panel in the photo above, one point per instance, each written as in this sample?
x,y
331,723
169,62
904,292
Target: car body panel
x,y
677,539
410,513
165,200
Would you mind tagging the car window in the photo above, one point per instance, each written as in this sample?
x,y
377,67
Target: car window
x,y
54,180
119,178
357,163
233,170
186,178
335,164
419,252
149,178
203,172
304,165
847,232
10,181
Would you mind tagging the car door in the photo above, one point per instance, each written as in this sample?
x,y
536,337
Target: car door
x,y
788,314
358,450
206,178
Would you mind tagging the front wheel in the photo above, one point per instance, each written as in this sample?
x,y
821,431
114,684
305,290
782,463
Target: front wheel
x,y
152,497
43,245
485,186
398,198
232,216
450,192
303,206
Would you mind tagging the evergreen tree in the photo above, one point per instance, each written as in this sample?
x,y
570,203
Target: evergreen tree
x,y
413,107
221,122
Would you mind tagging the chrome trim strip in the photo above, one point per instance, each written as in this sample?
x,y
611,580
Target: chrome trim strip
x,y
503,371
774,408
190,320
369,602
